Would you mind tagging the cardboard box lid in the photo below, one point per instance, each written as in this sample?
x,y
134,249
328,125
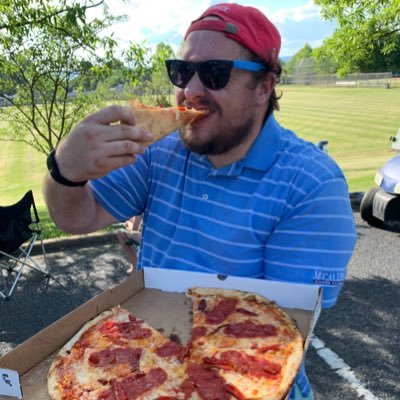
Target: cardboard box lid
x,y
287,295
155,295
301,301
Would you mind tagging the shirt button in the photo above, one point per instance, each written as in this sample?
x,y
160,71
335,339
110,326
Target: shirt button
x,y
205,196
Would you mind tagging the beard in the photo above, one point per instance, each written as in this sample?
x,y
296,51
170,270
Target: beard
x,y
221,141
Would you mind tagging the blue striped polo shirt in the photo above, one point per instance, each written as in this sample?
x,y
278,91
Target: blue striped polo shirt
x,y
280,213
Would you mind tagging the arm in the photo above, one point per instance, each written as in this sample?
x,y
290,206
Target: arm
x,y
93,149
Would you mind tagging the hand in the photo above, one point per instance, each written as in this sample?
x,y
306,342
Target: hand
x,y
128,225
99,145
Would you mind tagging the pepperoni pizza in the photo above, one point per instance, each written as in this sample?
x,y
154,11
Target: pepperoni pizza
x,y
242,346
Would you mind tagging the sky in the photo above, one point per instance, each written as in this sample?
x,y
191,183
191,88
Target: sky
x,y
155,21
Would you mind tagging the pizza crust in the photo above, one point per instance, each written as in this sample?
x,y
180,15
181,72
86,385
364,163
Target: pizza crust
x,y
204,291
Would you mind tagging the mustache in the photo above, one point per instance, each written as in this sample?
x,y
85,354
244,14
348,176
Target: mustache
x,y
200,103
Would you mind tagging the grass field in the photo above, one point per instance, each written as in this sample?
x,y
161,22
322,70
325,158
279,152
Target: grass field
x,y
356,122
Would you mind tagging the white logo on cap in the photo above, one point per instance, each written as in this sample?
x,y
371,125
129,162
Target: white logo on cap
x,y
222,8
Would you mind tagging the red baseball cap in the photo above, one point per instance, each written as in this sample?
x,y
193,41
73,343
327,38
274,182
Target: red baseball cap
x,y
247,25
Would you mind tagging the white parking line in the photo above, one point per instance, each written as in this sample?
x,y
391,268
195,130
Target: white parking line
x,y
341,368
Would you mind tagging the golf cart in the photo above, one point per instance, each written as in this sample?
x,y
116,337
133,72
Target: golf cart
x,y
381,206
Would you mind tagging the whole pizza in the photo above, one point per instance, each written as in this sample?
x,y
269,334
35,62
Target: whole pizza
x,y
242,346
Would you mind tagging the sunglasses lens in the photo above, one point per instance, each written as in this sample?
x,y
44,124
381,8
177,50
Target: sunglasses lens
x,y
215,74
180,72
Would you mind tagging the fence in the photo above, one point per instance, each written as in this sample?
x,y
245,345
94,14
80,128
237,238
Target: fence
x,y
359,80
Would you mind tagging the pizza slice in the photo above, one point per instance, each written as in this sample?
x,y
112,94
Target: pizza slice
x,y
116,354
163,121
244,340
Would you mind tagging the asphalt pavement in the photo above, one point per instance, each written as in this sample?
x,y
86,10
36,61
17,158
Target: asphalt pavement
x,y
358,340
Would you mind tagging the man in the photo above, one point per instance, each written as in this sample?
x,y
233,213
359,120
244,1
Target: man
x,y
129,238
234,193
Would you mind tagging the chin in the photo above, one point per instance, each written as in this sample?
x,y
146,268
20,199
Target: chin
x,y
201,138
209,147
192,141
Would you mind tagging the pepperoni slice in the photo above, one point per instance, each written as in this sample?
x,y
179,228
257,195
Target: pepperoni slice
x,y
132,329
171,349
187,387
107,395
222,310
120,355
206,382
198,331
268,347
166,398
134,386
235,392
248,329
244,364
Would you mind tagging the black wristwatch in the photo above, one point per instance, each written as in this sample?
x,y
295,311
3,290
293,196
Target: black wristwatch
x,y
55,172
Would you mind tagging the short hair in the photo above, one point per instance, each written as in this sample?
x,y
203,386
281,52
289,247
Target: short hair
x,y
272,67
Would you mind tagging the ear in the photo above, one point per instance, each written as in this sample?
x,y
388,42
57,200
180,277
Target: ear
x,y
265,88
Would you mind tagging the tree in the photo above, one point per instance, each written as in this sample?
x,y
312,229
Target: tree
x,y
325,65
19,16
368,34
45,51
160,84
302,54
147,74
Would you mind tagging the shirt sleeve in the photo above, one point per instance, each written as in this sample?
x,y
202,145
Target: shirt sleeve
x,y
314,240
124,192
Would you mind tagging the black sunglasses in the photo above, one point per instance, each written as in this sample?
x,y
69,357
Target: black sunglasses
x,y
213,74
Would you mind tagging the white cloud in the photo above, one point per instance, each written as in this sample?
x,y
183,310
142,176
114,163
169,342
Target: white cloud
x,y
296,14
300,25
156,21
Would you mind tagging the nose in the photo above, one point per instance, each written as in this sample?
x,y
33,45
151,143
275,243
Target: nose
x,y
194,89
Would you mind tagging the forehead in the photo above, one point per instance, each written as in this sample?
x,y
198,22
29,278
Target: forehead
x,y
208,45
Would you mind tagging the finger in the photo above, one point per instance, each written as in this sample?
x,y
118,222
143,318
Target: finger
x,y
112,114
122,147
120,132
111,163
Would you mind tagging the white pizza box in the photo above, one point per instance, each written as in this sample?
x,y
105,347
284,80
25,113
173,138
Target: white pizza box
x,y
156,295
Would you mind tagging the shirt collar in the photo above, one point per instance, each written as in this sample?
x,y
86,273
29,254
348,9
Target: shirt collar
x,y
263,151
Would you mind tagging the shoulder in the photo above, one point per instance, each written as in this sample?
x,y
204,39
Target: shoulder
x,y
306,159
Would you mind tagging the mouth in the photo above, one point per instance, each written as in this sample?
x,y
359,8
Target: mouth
x,y
204,117
199,106
205,111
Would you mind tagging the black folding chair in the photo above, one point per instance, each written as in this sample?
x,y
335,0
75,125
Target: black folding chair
x,y
19,231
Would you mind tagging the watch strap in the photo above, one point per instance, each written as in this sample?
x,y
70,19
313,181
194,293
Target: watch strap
x,y
55,172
